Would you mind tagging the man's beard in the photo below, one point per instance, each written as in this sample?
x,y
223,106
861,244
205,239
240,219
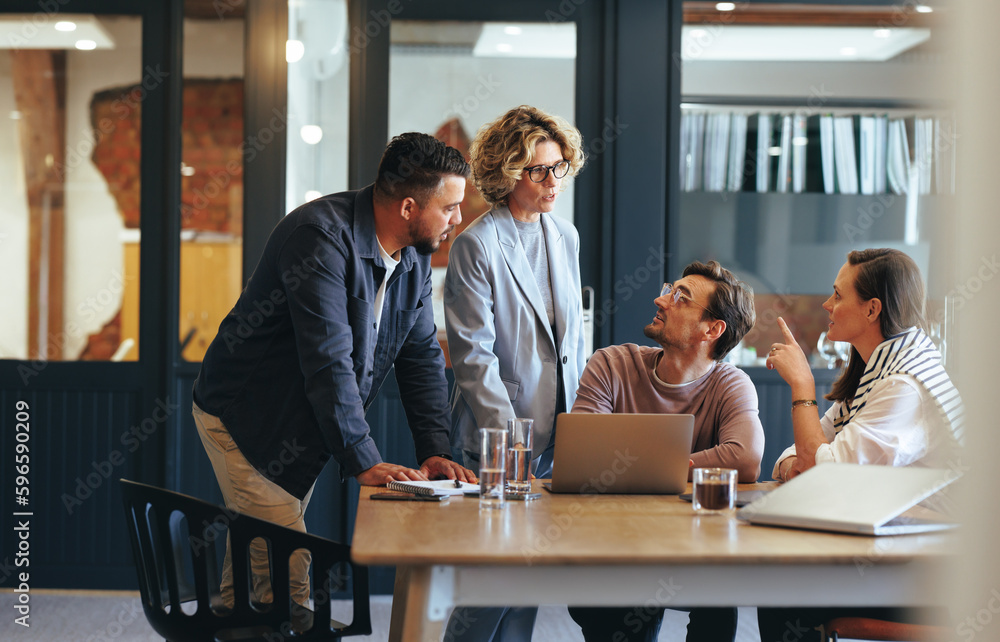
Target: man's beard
x,y
430,245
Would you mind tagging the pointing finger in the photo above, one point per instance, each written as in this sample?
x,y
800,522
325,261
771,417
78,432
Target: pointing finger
x,y
789,337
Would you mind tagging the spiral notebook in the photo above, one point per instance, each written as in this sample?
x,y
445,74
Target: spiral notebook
x,y
437,487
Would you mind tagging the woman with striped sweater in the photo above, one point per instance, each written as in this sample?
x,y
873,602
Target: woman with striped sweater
x,y
894,405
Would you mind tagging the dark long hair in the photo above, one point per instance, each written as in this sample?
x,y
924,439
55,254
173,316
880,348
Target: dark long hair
x,y
893,278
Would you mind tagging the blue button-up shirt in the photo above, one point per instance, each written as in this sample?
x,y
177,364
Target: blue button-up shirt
x,y
297,362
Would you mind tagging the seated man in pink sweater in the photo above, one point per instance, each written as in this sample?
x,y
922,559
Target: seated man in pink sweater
x,y
699,319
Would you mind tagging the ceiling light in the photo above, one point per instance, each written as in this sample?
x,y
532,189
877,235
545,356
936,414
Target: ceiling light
x,y
774,151
848,51
312,195
86,45
535,41
512,30
800,140
922,8
882,33
311,134
186,170
24,31
294,50
725,6
698,33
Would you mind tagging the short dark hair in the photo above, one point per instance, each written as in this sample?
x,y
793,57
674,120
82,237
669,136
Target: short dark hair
x,y
731,302
413,165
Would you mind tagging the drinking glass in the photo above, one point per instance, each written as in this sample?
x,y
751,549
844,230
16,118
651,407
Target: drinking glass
x,y
492,467
519,455
714,490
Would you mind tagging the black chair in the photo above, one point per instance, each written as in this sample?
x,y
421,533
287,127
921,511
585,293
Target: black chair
x,y
174,539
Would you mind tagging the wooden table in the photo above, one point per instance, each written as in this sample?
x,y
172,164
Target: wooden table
x,y
624,550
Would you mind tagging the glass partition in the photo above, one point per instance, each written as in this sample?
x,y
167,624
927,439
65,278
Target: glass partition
x,y
71,90
212,154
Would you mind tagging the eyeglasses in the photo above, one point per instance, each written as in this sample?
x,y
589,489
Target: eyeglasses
x,y
539,173
677,296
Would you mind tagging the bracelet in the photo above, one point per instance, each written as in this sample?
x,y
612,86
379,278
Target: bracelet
x,y
803,402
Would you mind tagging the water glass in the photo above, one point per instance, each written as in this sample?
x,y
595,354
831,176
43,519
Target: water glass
x,y
519,442
492,467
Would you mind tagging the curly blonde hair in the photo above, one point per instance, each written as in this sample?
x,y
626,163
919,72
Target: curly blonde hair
x,y
503,148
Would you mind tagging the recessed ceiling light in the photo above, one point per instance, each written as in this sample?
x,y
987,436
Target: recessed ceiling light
x,y
294,50
774,151
698,33
512,30
882,33
849,51
65,25
504,47
725,6
922,8
86,45
311,134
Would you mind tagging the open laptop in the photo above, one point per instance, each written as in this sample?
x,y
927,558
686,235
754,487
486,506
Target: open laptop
x,y
621,453
852,498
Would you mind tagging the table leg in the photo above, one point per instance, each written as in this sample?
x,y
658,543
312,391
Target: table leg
x,y
408,620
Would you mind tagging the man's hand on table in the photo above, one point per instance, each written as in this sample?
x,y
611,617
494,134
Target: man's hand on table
x,y
382,474
441,468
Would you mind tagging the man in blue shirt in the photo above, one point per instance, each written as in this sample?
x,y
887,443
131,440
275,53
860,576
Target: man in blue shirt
x,y
341,294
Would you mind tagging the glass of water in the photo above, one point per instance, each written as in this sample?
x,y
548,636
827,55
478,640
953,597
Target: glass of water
x,y
492,467
519,455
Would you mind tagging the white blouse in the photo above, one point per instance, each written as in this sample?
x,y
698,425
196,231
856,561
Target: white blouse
x,y
901,425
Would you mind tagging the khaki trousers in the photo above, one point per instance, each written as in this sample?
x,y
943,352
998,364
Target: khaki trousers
x,y
247,491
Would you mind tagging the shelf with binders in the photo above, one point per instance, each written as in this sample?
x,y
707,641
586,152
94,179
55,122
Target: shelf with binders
x,y
842,150
789,237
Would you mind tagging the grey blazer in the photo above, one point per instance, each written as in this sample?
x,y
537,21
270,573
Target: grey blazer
x,y
502,349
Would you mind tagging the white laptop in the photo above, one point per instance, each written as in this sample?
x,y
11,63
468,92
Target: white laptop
x,y
621,453
851,498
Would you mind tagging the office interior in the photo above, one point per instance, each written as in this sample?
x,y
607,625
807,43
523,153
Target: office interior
x,y
143,171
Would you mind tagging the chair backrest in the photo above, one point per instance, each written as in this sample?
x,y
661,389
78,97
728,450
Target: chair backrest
x,y
174,536
863,628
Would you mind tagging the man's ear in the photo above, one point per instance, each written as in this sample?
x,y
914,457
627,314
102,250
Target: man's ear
x,y
874,310
409,208
715,330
